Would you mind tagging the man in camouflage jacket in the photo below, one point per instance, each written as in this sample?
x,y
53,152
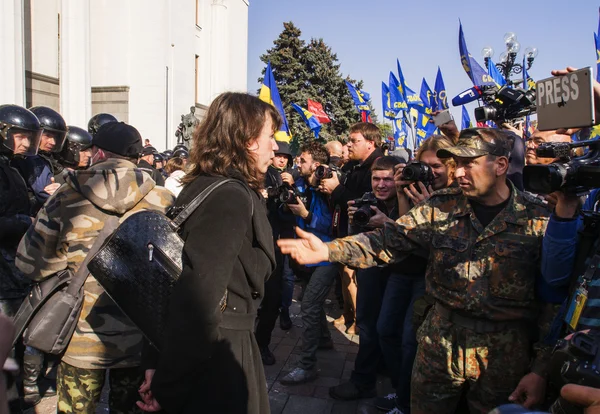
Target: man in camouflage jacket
x,y
484,241
64,231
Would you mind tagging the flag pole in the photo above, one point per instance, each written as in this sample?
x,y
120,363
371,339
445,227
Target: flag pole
x,y
412,130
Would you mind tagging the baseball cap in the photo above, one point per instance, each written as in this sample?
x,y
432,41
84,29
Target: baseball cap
x,y
472,145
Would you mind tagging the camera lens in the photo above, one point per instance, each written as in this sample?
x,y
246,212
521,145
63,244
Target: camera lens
x,y
363,215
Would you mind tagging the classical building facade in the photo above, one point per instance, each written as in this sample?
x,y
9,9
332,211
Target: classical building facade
x,y
145,61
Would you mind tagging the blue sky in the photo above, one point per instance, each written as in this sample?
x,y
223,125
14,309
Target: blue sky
x,y
368,36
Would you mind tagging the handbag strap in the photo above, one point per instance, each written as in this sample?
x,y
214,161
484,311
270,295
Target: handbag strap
x,y
82,273
199,199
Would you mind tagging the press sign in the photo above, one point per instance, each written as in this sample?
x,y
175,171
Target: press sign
x,y
565,101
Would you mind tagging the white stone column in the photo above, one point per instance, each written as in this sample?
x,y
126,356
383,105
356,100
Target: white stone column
x,y
75,74
219,48
12,72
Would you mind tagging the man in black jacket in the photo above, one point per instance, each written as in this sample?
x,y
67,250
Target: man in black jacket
x,y
146,163
363,149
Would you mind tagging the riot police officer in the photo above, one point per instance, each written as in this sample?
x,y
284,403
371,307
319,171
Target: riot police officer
x,y
76,152
20,134
39,171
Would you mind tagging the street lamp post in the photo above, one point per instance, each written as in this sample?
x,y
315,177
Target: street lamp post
x,y
508,65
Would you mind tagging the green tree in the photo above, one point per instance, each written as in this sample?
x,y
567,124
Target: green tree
x,y
311,71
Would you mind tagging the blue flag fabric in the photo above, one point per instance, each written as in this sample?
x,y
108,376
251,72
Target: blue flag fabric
x,y
423,128
309,118
269,94
398,101
359,97
597,42
474,70
528,83
400,133
411,98
440,98
388,111
401,81
496,75
427,97
466,120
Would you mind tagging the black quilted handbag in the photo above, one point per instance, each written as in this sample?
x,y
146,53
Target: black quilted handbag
x,y
140,263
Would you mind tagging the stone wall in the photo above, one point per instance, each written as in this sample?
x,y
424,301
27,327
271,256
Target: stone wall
x,y
41,90
112,100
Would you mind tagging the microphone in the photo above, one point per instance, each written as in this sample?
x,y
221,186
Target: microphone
x,y
467,96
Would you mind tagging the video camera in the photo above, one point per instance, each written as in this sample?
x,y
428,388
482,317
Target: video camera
x,y
364,213
285,194
574,175
574,361
418,171
505,104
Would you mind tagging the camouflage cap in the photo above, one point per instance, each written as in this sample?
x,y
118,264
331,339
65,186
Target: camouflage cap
x,y
473,147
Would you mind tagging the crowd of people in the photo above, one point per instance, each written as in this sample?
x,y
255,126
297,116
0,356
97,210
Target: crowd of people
x,y
455,278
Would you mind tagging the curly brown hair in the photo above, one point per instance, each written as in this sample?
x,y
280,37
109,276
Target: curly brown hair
x,y
220,144
174,164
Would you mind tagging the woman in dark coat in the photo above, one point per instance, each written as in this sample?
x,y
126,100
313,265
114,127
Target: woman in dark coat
x,y
210,362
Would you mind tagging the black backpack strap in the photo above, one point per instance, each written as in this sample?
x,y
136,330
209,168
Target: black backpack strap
x,y
199,199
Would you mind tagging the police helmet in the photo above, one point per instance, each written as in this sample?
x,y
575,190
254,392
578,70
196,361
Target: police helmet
x,y
20,130
181,153
78,139
52,123
168,154
98,120
158,157
180,146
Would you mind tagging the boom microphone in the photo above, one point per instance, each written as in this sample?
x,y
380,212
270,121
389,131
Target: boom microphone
x,y
467,96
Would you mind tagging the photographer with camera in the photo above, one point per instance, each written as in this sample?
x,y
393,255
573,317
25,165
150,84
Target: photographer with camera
x,y
482,240
370,211
314,216
406,283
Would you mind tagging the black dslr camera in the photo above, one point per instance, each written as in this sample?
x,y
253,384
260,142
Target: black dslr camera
x,y
418,171
505,104
285,194
574,361
574,175
364,213
325,171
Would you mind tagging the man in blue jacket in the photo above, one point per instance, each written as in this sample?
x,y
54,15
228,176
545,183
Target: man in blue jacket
x,y
313,215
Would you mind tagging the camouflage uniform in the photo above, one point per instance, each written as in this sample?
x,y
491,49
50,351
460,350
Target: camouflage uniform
x,y
485,276
64,231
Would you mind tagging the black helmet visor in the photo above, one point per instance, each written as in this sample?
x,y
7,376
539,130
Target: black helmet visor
x,y
23,142
58,136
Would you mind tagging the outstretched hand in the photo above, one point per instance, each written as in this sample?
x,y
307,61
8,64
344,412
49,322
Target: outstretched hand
x,y
306,249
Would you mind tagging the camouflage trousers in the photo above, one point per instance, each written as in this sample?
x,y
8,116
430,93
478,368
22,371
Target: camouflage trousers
x,y
79,389
451,360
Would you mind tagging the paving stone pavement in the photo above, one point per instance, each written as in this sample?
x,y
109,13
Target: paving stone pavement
x,y
334,367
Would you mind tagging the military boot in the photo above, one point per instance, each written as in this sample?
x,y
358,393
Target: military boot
x,y
32,367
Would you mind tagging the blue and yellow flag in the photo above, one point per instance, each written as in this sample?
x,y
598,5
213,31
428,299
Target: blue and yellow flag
x,y
313,123
396,97
528,83
474,70
466,120
411,98
360,98
270,94
423,128
496,75
427,97
440,98
400,133
388,111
